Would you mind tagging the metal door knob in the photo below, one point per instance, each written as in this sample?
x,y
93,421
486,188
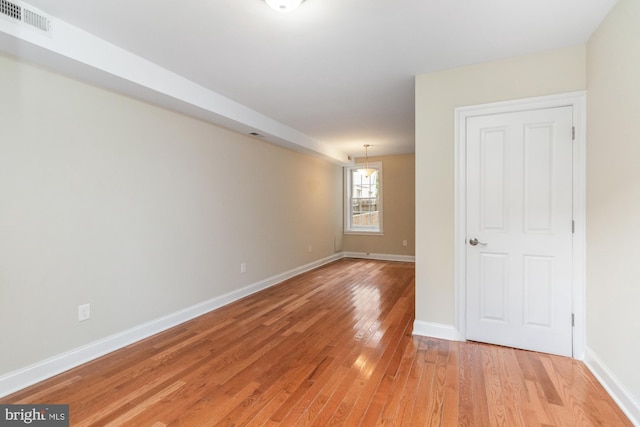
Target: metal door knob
x,y
474,242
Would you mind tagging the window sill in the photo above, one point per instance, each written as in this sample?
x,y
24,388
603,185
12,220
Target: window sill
x,y
364,233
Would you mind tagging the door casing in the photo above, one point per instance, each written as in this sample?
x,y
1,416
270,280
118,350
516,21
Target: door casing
x,y
578,101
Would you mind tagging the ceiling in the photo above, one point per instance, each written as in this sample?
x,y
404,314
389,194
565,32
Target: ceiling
x,y
340,72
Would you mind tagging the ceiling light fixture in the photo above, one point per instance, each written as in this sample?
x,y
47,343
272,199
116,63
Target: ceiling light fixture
x,y
367,171
283,6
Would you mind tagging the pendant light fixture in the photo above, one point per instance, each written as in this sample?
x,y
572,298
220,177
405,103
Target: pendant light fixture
x,y
366,171
284,6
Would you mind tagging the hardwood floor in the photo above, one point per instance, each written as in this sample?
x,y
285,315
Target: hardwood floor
x,y
332,346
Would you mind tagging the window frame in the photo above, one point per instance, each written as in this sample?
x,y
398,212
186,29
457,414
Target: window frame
x,y
348,227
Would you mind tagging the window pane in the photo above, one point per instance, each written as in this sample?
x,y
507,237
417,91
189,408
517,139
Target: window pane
x,y
364,200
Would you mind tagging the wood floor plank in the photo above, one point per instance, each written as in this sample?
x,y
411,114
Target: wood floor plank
x,y
381,394
410,390
426,369
394,396
479,387
435,406
466,408
514,389
493,387
126,417
451,403
330,346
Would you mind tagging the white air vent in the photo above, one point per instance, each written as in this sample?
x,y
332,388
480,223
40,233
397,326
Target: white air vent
x,y
28,16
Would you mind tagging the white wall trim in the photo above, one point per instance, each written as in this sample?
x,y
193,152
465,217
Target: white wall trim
x,y
578,101
625,400
381,257
17,380
436,330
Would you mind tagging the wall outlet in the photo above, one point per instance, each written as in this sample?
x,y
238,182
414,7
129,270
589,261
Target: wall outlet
x,y
404,243
84,312
243,267
309,249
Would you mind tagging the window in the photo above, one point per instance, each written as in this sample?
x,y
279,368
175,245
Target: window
x,y
363,199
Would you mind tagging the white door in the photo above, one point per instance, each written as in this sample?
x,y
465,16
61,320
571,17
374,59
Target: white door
x,y
519,229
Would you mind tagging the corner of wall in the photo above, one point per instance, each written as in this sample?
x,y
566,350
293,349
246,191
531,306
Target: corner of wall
x,y
625,400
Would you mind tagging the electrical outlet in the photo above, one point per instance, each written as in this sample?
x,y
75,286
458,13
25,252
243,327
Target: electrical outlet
x,y
309,249
404,243
243,267
84,312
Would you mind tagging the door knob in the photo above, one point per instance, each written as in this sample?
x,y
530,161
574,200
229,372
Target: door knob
x,y
474,242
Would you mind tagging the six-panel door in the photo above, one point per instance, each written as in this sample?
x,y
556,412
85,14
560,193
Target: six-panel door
x,y
519,209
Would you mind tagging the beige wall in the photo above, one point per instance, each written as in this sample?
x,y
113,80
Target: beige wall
x,y
398,193
137,210
613,194
437,95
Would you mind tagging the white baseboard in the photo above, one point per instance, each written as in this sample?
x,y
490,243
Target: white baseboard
x,y
625,400
381,257
436,330
17,380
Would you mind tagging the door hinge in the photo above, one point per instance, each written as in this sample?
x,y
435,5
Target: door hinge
x,y
573,227
573,319
573,133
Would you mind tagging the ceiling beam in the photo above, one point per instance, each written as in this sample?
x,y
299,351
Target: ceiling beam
x,y
77,53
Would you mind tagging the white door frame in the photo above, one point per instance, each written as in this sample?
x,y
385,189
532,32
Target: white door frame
x,y
578,101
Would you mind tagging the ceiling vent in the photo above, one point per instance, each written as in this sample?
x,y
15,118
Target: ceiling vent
x,y
19,12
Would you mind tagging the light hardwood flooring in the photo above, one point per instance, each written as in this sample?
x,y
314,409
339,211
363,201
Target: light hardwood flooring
x,y
330,347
